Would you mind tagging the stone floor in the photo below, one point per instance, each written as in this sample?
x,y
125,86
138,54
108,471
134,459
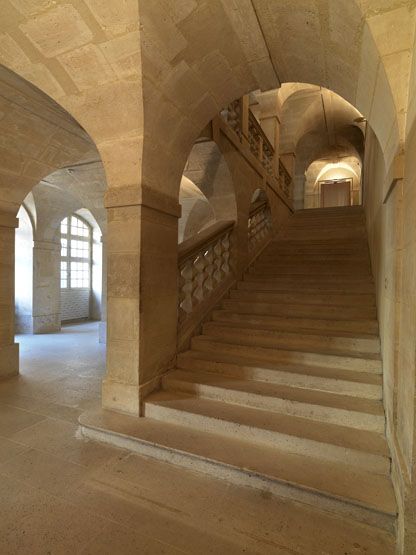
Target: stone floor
x,y
63,495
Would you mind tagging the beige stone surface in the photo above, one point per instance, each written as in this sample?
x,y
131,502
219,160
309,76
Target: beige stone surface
x,y
72,495
136,82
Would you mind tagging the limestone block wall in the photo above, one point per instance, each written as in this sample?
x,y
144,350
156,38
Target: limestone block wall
x,y
390,203
75,304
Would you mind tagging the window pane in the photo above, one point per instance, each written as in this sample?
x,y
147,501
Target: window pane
x,y
80,274
79,249
64,226
64,250
78,227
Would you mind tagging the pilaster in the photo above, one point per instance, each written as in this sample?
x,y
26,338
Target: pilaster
x,y
9,350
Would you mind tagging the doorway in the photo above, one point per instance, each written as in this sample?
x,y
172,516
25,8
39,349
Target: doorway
x,y
336,192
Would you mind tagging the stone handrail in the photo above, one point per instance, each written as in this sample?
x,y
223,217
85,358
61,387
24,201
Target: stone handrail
x,y
204,266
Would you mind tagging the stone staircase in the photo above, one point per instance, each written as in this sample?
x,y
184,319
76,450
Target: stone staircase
x,y
283,388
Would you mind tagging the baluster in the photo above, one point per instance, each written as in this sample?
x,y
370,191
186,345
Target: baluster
x,y
199,277
225,244
218,273
186,287
209,270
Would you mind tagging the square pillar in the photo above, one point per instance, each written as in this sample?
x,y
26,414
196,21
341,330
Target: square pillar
x,y
102,326
142,294
46,287
9,350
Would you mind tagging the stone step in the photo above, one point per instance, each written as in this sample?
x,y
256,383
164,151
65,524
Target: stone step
x,y
320,406
282,356
341,235
313,378
282,256
339,221
360,328
322,241
290,282
249,293
321,234
300,310
317,272
294,341
287,248
274,430
294,288
338,488
327,228
308,269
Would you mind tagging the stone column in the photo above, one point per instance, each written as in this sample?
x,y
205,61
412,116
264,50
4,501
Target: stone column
x,y
46,287
102,326
141,293
9,350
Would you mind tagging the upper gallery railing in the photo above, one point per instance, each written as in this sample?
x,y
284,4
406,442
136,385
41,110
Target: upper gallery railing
x,y
242,121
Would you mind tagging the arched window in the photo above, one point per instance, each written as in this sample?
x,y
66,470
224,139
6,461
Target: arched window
x,y
75,254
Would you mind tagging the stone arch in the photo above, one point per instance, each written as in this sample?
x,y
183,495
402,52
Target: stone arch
x,y
39,139
327,169
212,69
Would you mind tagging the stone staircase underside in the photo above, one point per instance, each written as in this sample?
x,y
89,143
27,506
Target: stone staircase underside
x,y
283,388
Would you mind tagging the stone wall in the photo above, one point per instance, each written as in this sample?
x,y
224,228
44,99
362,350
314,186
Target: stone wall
x,y
390,207
75,304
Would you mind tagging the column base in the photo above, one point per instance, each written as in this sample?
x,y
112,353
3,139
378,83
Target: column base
x,y
121,397
9,360
127,398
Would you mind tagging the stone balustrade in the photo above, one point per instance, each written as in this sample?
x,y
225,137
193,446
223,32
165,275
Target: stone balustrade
x,y
204,266
259,227
244,124
285,180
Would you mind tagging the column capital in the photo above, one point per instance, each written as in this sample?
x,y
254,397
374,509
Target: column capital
x,y
133,195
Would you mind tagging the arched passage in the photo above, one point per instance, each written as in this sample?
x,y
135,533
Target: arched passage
x,y
325,171
24,273
40,139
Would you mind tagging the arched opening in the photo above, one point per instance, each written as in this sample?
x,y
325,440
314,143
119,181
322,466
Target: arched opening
x,y
333,183
55,171
81,269
24,273
259,222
